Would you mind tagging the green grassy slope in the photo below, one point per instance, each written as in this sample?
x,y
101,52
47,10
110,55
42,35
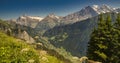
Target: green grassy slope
x,y
15,50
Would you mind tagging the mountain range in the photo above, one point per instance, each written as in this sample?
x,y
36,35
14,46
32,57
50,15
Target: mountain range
x,y
52,20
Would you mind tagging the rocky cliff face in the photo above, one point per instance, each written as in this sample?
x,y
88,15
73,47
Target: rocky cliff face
x,y
25,36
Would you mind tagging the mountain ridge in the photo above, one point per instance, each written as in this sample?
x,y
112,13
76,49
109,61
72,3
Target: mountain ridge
x,y
89,11
84,13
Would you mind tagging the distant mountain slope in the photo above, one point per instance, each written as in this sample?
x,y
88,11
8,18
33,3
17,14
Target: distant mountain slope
x,y
74,37
84,13
88,12
48,22
52,20
30,21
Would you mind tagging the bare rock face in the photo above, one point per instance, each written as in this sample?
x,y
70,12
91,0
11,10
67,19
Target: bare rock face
x,y
88,12
24,35
85,13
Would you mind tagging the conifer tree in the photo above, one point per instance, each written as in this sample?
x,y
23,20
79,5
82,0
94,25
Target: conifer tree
x,y
116,41
109,39
97,46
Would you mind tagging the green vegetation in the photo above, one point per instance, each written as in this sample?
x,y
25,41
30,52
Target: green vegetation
x,y
3,23
16,51
60,53
59,38
104,44
48,59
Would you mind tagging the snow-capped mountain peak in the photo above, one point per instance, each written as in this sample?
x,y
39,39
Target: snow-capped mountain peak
x,y
103,8
95,6
36,17
22,17
30,21
53,16
31,17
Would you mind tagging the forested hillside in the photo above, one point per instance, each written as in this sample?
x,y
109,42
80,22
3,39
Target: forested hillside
x,y
75,37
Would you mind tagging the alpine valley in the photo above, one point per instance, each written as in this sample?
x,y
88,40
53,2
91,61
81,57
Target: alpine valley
x,y
63,38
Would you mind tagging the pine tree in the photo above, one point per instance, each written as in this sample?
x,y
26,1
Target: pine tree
x,y
116,41
97,46
109,39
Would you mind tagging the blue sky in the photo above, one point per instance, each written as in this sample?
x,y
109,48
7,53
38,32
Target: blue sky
x,y
14,8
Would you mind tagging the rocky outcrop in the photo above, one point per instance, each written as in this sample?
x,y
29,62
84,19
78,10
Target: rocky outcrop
x,y
25,36
85,59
